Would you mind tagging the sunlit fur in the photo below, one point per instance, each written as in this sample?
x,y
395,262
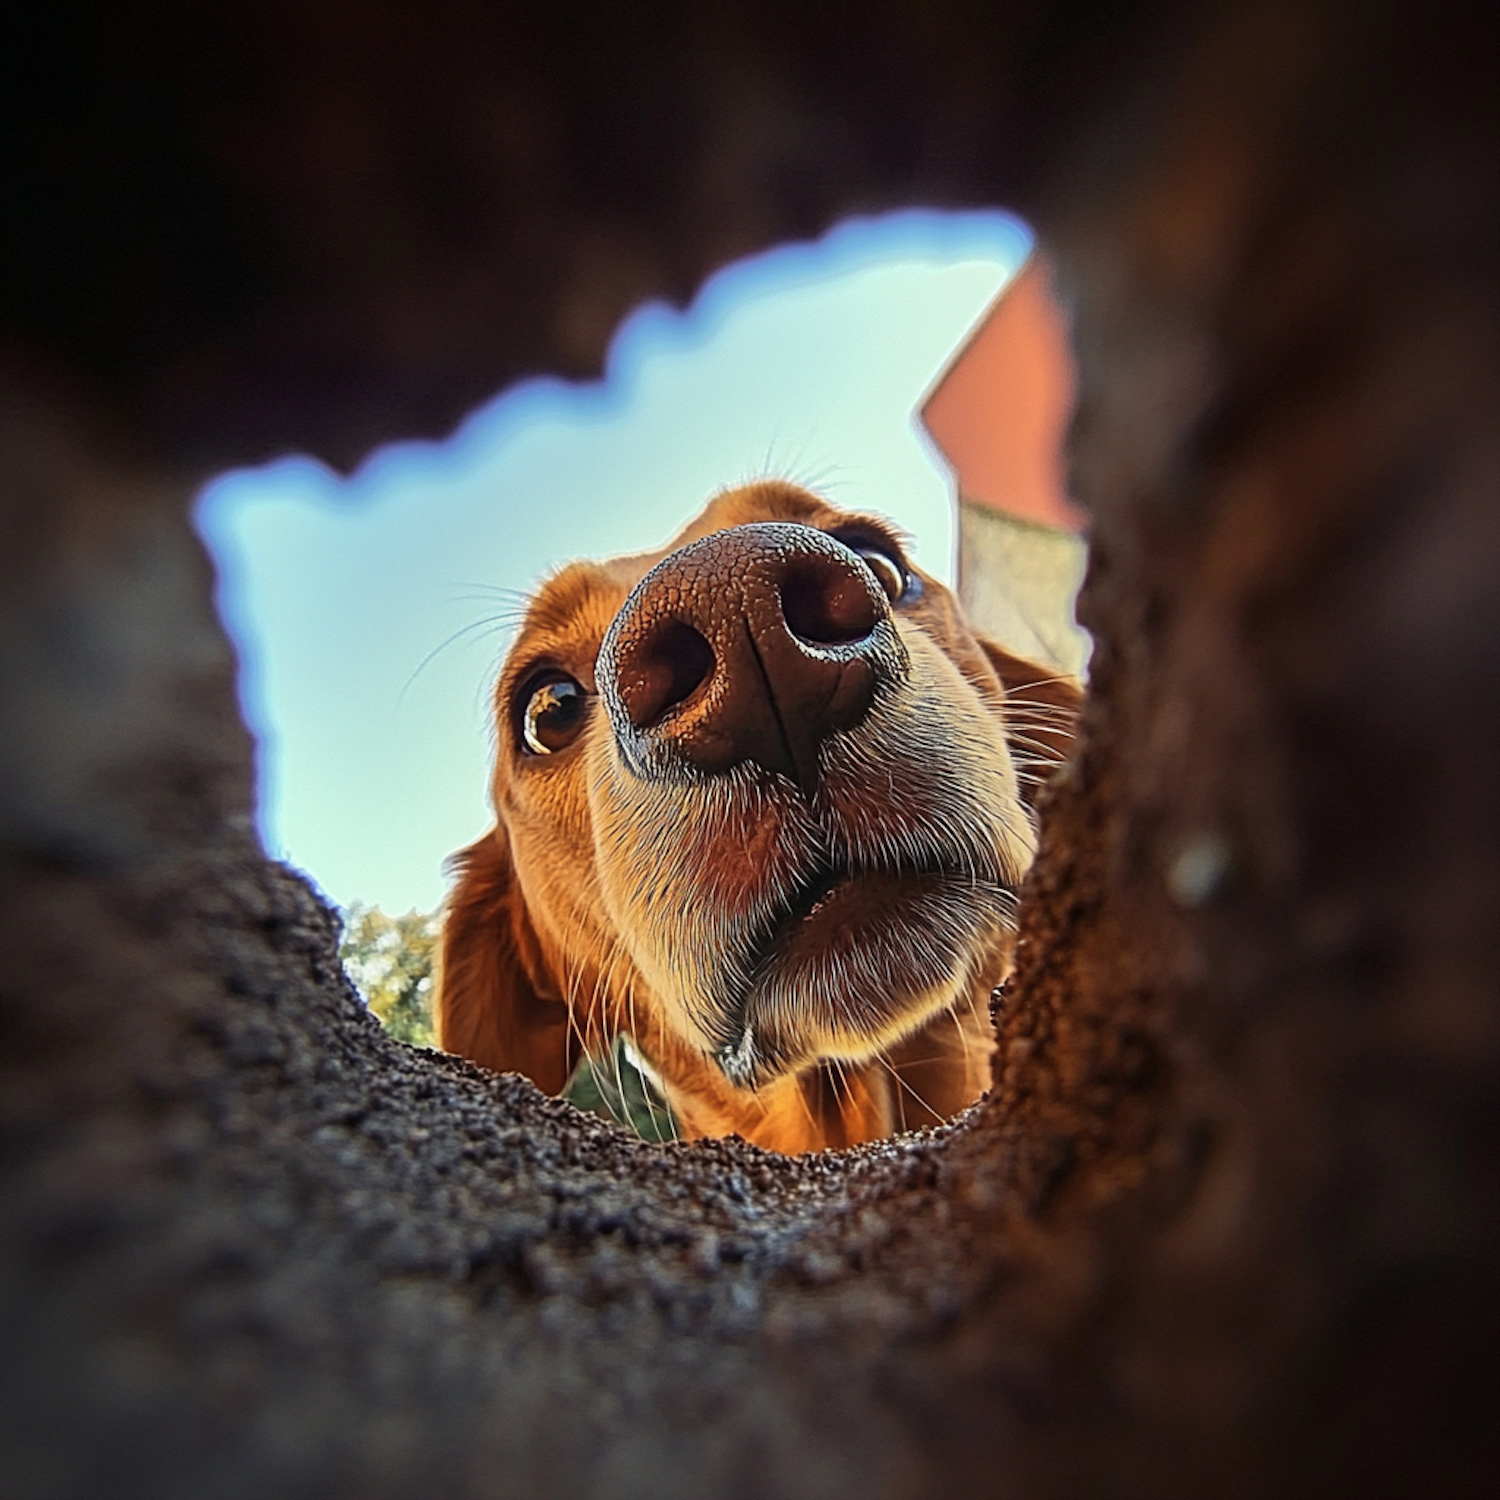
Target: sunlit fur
x,y
603,902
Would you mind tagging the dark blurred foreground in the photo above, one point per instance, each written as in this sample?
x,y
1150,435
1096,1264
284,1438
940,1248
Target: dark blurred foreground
x,y
1229,1222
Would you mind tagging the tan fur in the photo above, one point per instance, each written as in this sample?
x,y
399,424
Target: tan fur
x,y
597,906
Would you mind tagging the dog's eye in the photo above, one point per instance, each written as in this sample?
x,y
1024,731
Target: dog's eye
x,y
883,558
888,572
554,714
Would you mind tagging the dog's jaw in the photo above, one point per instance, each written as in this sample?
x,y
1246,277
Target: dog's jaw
x,y
878,959
778,932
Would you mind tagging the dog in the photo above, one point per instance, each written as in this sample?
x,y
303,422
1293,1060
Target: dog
x,y
763,806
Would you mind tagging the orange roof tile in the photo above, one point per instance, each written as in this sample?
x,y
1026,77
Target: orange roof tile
x,y
1000,410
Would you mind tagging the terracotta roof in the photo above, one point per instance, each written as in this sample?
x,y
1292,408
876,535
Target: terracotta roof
x,y
999,412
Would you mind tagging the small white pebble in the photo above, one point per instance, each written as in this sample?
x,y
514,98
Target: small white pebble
x,y
1199,869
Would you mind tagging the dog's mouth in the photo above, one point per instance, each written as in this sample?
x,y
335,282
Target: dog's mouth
x,y
840,902
853,959
812,898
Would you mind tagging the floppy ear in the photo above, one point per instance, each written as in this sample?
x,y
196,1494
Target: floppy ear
x,y
487,1005
1041,709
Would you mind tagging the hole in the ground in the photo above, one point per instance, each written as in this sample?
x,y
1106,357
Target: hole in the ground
x,y
895,367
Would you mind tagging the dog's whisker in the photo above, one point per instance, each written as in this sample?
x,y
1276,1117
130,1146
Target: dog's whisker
x,y
521,597
904,1089
490,625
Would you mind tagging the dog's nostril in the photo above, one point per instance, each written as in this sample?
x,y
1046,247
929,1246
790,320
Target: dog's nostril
x,y
665,669
827,603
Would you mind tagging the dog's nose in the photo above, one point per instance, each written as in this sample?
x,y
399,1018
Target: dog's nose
x,y
755,643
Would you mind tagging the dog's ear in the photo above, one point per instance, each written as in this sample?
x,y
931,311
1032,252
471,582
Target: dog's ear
x,y
1041,709
487,1005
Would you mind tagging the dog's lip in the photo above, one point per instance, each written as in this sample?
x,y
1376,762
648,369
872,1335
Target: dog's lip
x,y
839,895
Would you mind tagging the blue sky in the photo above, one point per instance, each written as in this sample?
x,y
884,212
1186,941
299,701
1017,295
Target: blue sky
x,y
364,608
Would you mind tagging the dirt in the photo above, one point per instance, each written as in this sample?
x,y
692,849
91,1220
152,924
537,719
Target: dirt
x,y
1229,1221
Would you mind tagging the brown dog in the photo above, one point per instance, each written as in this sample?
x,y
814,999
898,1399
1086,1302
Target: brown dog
x,y
762,806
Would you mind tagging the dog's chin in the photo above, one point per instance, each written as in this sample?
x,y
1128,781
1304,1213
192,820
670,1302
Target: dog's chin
x,y
854,962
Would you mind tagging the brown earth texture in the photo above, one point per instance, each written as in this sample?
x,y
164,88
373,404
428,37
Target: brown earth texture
x,y
1228,1222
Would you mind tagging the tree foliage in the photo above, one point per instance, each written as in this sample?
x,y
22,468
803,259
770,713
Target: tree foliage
x,y
390,961
619,1085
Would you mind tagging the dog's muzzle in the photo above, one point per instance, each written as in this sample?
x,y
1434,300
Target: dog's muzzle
x,y
755,644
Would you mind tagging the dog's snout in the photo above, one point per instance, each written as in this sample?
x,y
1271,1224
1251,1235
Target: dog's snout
x,y
753,644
